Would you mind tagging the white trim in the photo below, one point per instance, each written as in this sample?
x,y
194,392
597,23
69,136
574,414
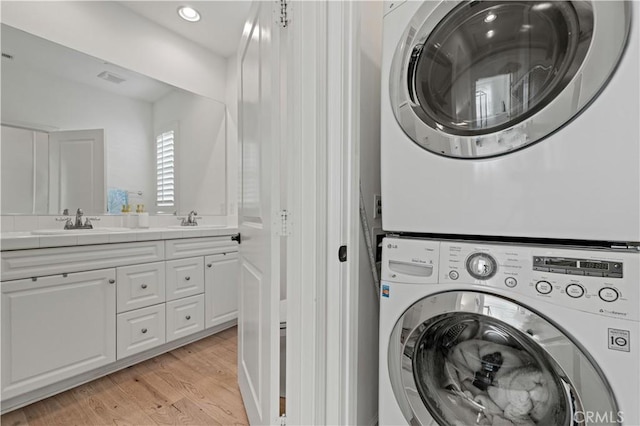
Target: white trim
x,y
306,194
323,201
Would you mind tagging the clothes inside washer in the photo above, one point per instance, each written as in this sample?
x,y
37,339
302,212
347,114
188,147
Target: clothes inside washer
x,y
496,384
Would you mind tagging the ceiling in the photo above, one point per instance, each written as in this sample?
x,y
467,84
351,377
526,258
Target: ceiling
x,y
219,30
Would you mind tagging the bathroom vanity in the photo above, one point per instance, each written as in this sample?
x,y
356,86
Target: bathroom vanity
x,y
79,306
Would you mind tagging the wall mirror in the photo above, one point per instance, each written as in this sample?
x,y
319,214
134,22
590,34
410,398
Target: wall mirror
x,y
80,132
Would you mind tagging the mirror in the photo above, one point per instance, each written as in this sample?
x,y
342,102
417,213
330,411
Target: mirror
x,y
80,132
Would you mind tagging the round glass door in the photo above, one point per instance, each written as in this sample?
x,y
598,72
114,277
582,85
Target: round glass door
x,y
469,358
484,78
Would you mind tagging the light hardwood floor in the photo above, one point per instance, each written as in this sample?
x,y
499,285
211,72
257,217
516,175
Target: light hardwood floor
x,y
192,385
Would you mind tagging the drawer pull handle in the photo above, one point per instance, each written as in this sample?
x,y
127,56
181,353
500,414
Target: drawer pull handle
x,y
112,281
188,317
144,330
143,286
209,265
187,278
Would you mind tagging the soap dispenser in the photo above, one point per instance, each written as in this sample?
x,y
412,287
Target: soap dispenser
x,y
143,217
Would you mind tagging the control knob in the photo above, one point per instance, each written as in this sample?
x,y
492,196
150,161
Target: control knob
x,y
481,266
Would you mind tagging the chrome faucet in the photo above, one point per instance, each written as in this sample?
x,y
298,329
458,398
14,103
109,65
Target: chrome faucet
x,y
79,214
190,220
70,224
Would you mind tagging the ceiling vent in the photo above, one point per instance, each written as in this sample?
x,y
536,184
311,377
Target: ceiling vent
x,y
7,56
111,77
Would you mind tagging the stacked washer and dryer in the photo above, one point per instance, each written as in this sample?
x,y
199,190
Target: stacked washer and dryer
x,y
510,289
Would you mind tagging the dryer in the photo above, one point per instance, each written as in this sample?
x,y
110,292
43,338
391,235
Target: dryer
x,y
501,334
512,118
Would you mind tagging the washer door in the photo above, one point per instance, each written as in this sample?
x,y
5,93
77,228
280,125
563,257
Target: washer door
x,y
462,358
483,78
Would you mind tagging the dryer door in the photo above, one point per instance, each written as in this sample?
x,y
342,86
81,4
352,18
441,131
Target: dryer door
x,y
466,357
483,78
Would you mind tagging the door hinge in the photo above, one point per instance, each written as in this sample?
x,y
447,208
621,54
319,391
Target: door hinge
x,y
284,18
282,228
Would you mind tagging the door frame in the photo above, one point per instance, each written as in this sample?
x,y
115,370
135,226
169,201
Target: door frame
x,y
323,205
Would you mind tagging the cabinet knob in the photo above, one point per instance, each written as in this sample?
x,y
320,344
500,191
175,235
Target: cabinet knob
x,y
187,278
144,330
188,317
143,286
112,281
209,265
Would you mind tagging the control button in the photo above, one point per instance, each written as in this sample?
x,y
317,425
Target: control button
x,y
481,266
593,274
575,291
608,294
558,270
575,272
454,275
510,282
544,287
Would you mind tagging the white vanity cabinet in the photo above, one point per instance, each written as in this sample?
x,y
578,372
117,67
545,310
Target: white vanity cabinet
x,y
73,314
56,327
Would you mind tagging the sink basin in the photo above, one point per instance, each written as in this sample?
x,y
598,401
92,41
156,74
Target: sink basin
x,y
197,227
76,231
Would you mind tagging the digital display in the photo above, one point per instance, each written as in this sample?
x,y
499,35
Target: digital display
x,y
594,265
562,262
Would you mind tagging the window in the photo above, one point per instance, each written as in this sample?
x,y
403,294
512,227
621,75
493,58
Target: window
x,y
165,169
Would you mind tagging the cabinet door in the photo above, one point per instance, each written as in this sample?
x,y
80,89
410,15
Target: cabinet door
x,y
140,286
185,277
221,288
185,316
56,327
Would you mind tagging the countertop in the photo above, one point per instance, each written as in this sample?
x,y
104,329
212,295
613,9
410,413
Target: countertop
x,y
28,240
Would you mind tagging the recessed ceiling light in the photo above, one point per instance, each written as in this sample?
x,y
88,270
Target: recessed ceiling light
x,y
188,14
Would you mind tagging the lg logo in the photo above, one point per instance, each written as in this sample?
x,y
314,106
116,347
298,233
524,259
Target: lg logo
x,y
392,246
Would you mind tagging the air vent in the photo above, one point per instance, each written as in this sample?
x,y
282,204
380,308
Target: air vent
x,y
111,77
7,56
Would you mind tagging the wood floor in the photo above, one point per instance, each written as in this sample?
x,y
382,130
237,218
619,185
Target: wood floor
x,y
192,385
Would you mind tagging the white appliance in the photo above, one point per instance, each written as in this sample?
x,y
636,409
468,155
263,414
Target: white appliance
x,y
512,118
488,334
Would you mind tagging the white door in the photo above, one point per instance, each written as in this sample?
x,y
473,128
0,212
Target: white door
x,y
76,171
258,118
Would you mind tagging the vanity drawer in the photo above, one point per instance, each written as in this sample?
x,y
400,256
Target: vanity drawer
x,y
140,330
140,286
185,316
185,277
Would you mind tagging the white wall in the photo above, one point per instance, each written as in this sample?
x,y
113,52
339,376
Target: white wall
x,y
370,63
199,148
36,99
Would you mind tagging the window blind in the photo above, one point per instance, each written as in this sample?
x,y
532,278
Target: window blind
x,y
165,168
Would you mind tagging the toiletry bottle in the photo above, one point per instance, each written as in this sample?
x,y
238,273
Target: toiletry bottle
x,y
143,218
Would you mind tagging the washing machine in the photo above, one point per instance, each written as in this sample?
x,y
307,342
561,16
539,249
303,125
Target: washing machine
x,y
476,333
511,118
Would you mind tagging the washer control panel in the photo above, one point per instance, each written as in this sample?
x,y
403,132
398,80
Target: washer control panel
x,y
602,282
